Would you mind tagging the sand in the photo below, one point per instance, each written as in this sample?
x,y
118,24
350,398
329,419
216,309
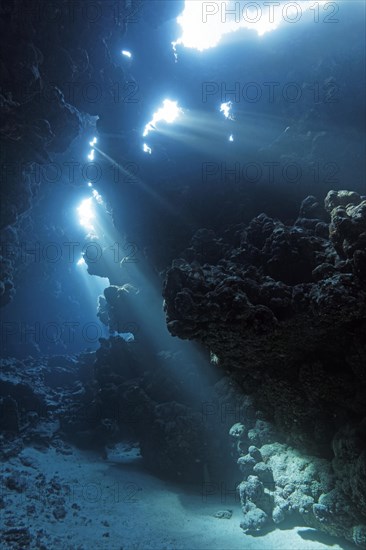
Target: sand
x,y
70,499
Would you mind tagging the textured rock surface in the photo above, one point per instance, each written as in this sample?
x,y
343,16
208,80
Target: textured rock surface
x,y
348,228
283,308
51,59
283,311
280,306
33,400
281,483
181,434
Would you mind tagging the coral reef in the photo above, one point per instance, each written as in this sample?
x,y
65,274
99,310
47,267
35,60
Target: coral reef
x,y
283,309
348,228
50,66
34,396
132,396
280,306
281,483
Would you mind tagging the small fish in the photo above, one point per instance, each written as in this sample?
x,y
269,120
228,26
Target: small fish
x,y
127,287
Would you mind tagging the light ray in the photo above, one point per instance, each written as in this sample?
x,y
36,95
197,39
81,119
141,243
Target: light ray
x,y
205,23
168,113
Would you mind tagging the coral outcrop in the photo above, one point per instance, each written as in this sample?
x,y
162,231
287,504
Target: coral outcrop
x,y
283,309
280,483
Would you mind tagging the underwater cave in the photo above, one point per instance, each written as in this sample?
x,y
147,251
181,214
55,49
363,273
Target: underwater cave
x,y
182,275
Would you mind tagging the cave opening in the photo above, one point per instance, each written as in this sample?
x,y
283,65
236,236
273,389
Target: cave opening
x,y
182,274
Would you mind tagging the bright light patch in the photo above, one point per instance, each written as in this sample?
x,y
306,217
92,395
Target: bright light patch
x,y
231,137
204,23
169,112
127,336
97,196
146,149
93,142
81,261
91,155
86,213
226,108
90,184
126,53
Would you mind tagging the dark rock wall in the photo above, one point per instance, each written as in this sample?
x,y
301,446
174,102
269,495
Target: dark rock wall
x,y
283,308
284,312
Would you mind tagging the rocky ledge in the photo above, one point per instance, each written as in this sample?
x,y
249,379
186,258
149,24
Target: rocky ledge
x,y
282,308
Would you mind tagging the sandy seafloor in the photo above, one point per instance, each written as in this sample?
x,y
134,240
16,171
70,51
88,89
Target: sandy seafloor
x,y
72,499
